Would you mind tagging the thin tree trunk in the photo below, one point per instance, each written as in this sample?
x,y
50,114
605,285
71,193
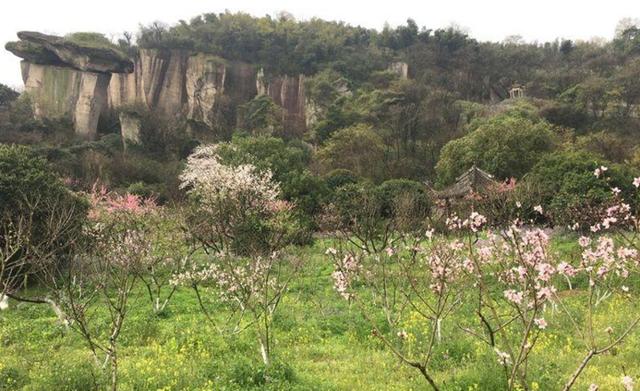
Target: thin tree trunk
x,y
578,371
430,380
114,370
264,350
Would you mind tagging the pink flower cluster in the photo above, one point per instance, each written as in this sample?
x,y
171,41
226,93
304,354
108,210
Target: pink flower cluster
x,y
600,171
130,249
104,202
528,268
602,258
446,263
474,222
345,273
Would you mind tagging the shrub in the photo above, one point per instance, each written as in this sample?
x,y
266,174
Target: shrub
x,y
40,220
29,187
607,145
160,137
564,114
245,200
358,211
404,197
7,95
306,190
286,161
241,222
569,189
340,177
70,372
146,190
261,116
12,378
90,39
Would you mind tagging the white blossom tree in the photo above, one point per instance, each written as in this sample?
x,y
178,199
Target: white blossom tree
x,y
242,225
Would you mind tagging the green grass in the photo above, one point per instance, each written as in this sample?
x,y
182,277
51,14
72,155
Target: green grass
x,y
321,344
92,40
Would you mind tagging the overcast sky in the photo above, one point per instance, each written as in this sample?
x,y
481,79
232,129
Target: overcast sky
x,y
540,20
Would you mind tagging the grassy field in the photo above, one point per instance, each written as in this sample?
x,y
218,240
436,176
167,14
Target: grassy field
x,y
321,344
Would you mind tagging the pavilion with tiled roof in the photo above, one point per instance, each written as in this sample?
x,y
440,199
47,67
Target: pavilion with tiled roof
x,y
473,181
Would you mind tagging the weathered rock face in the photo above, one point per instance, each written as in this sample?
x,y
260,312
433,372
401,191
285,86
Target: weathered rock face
x,y
92,99
177,83
288,92
399,68
33,53
205,81
65,78
157,82
240,83
64,92
130,126
312,113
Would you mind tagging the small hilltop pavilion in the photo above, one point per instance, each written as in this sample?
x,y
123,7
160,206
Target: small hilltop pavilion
x,y
516,91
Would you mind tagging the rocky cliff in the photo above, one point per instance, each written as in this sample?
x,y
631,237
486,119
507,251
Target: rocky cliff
x,y
181,84
157,81
288,92
65,78
64,92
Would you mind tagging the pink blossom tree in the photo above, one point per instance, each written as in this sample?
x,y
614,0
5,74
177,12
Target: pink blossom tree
x,y
415,277
104,273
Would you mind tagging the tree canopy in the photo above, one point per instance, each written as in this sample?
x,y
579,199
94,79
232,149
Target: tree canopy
x,y
506,146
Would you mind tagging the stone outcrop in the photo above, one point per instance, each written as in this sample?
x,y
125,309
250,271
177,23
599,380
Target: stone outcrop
x,y
92,99
312,113
240,83
82,57
66,78
57,92
157,82
177,83
33,53
205,81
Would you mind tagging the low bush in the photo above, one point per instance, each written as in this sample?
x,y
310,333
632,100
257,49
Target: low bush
x,y
340,177
569,186
31,193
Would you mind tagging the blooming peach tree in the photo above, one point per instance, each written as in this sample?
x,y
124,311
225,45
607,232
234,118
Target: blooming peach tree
x,y
512,273
414,285
521,282
409,290
607,263
520,285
